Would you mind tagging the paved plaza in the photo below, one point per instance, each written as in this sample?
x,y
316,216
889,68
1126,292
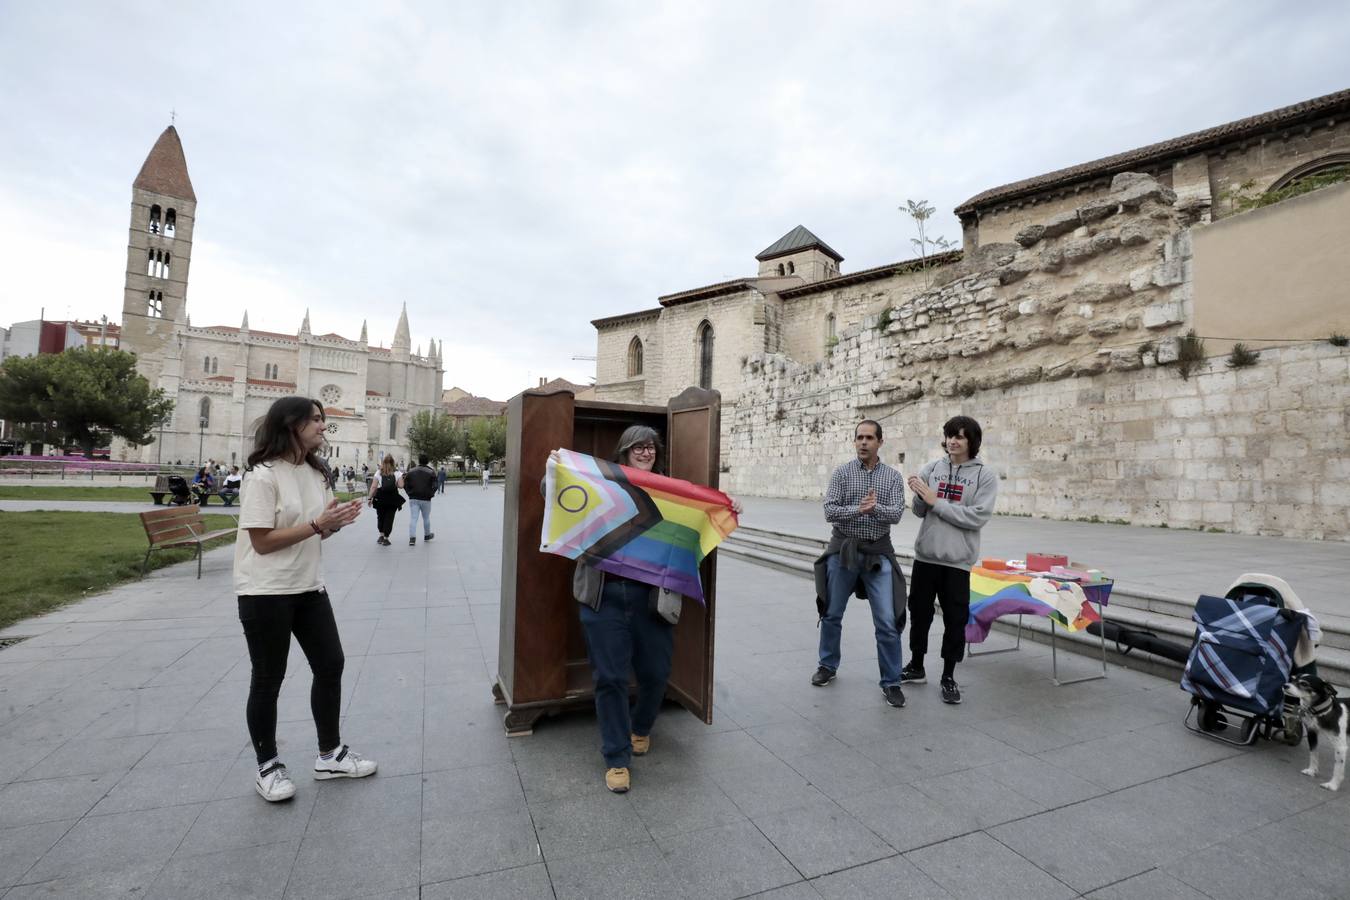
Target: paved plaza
x,y
127,770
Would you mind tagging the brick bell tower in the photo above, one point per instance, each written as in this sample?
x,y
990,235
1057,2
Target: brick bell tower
x,y
159,250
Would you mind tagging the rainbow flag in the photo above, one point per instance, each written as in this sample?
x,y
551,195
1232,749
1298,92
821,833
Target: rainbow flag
x,y
994,594
627,522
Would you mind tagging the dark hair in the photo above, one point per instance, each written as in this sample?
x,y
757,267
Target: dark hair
x,y
873,422
637,434
275,438
957,424
422,459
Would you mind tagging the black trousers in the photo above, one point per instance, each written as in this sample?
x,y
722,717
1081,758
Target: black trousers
x,y
384,519
269,621
949,586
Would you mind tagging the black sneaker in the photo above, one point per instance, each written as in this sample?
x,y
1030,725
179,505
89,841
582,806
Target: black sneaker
x,y
912,674
822,677
428,537
894,696
412,542
950,692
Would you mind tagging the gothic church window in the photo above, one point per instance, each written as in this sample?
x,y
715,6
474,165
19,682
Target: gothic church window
x,y
170,223
393,427
705,355
166,266
792,270
330,394
635,358
781,270
215,362
830,335
154,304
154,219
205,412
206,364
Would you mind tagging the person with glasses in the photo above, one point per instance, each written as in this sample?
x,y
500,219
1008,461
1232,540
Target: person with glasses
x,y
629,626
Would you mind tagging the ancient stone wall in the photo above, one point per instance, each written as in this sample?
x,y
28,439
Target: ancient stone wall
x,y
804,316
1065,363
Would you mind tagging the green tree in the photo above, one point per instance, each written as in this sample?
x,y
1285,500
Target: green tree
x,y
487,439
81,397
435,435
921,211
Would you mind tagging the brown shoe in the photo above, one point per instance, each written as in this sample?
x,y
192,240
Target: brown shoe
x,y
641,744
617,780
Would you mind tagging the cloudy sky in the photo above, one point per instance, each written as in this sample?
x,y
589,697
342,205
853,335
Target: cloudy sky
x,y
511,171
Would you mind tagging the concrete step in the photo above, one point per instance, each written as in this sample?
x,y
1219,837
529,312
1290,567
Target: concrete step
x,y
1169,617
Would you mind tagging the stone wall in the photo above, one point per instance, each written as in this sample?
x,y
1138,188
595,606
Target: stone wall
x,y
1065,364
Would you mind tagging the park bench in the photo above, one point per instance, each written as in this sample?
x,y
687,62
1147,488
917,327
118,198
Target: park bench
x,y
161,490
178,526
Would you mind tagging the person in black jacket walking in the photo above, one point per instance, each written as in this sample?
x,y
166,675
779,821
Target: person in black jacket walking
x,y
386,499
420,484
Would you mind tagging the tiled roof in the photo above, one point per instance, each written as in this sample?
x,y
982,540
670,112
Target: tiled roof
x,y
232,329
266,383
708,290
475,406
795,240
875,274
1210,138
562,384
336,336
626,317
335,412
165,169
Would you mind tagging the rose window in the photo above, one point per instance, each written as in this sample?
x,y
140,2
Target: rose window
x,y
330,394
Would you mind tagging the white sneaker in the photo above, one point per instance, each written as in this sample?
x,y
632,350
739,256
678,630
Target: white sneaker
x,y
346,763
274,783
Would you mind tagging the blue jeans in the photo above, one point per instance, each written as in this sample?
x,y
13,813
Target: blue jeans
x,y
416,508
841,583
623,636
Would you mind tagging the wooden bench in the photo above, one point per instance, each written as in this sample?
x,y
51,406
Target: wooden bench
x,y
178,526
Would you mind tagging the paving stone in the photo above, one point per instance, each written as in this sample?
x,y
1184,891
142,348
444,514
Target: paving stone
x,y
907,818
30,802
580,824
129,880
765,787
726,861
150,787
378,859
894,877
522,883
820,837
248,821
25,845
977,866
259,872
679,802
1154,885
99,843
636,872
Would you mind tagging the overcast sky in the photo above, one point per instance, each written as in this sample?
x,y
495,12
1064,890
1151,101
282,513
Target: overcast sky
x,y
513,170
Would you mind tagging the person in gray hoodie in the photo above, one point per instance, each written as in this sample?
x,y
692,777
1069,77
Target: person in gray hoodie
x,y
955,498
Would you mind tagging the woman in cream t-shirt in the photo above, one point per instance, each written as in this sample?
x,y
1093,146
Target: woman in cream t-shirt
x,y
286,510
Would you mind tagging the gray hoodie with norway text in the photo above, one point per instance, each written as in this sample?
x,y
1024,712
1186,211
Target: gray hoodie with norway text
x,y
950,533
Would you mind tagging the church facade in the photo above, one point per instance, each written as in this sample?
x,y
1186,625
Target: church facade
x,y
224,378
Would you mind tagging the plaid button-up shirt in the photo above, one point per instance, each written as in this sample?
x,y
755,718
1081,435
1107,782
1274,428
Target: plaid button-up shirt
x,y
849,484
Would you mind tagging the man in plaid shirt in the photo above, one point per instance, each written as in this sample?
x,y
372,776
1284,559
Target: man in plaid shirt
x,y
864,499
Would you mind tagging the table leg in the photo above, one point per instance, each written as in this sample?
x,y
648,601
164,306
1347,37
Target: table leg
x,y
970,648
1054,660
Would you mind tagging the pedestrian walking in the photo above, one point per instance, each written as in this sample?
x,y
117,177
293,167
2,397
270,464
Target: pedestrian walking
x,y
955,497
385,498
286,510
487,475
629,627
864,499
441,475
419,483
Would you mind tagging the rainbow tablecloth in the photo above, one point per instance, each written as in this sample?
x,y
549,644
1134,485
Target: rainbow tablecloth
x,y
1002,593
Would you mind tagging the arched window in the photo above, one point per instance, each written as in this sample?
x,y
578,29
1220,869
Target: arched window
x,y
781,271
792,270
154,219
830,335
170,223
634,357
204,410
1320,166
206,364
705,355
154,304
215,363
150,262
393,427
165,274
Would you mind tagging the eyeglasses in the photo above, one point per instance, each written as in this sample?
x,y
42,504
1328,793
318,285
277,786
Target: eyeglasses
x,y
644,449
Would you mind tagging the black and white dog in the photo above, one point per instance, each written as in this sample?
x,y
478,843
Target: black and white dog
x,y
1321,710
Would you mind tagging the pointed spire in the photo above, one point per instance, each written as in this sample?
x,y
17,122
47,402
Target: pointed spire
x,y
402,334
364,339
433,351
165,169
304,326
243,326
419,349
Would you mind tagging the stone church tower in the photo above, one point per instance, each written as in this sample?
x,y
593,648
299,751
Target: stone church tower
x,y
159,250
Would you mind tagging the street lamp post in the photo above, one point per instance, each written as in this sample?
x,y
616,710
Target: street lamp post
x,y
201,436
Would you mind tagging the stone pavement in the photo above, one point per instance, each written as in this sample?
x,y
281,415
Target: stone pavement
x,y
127,769
1181,564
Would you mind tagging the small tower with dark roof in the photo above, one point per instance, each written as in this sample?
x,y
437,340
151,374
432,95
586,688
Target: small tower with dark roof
x,y
159,251
801,254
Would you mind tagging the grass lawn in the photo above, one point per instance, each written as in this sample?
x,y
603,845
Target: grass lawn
x,y
51,558
120,494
